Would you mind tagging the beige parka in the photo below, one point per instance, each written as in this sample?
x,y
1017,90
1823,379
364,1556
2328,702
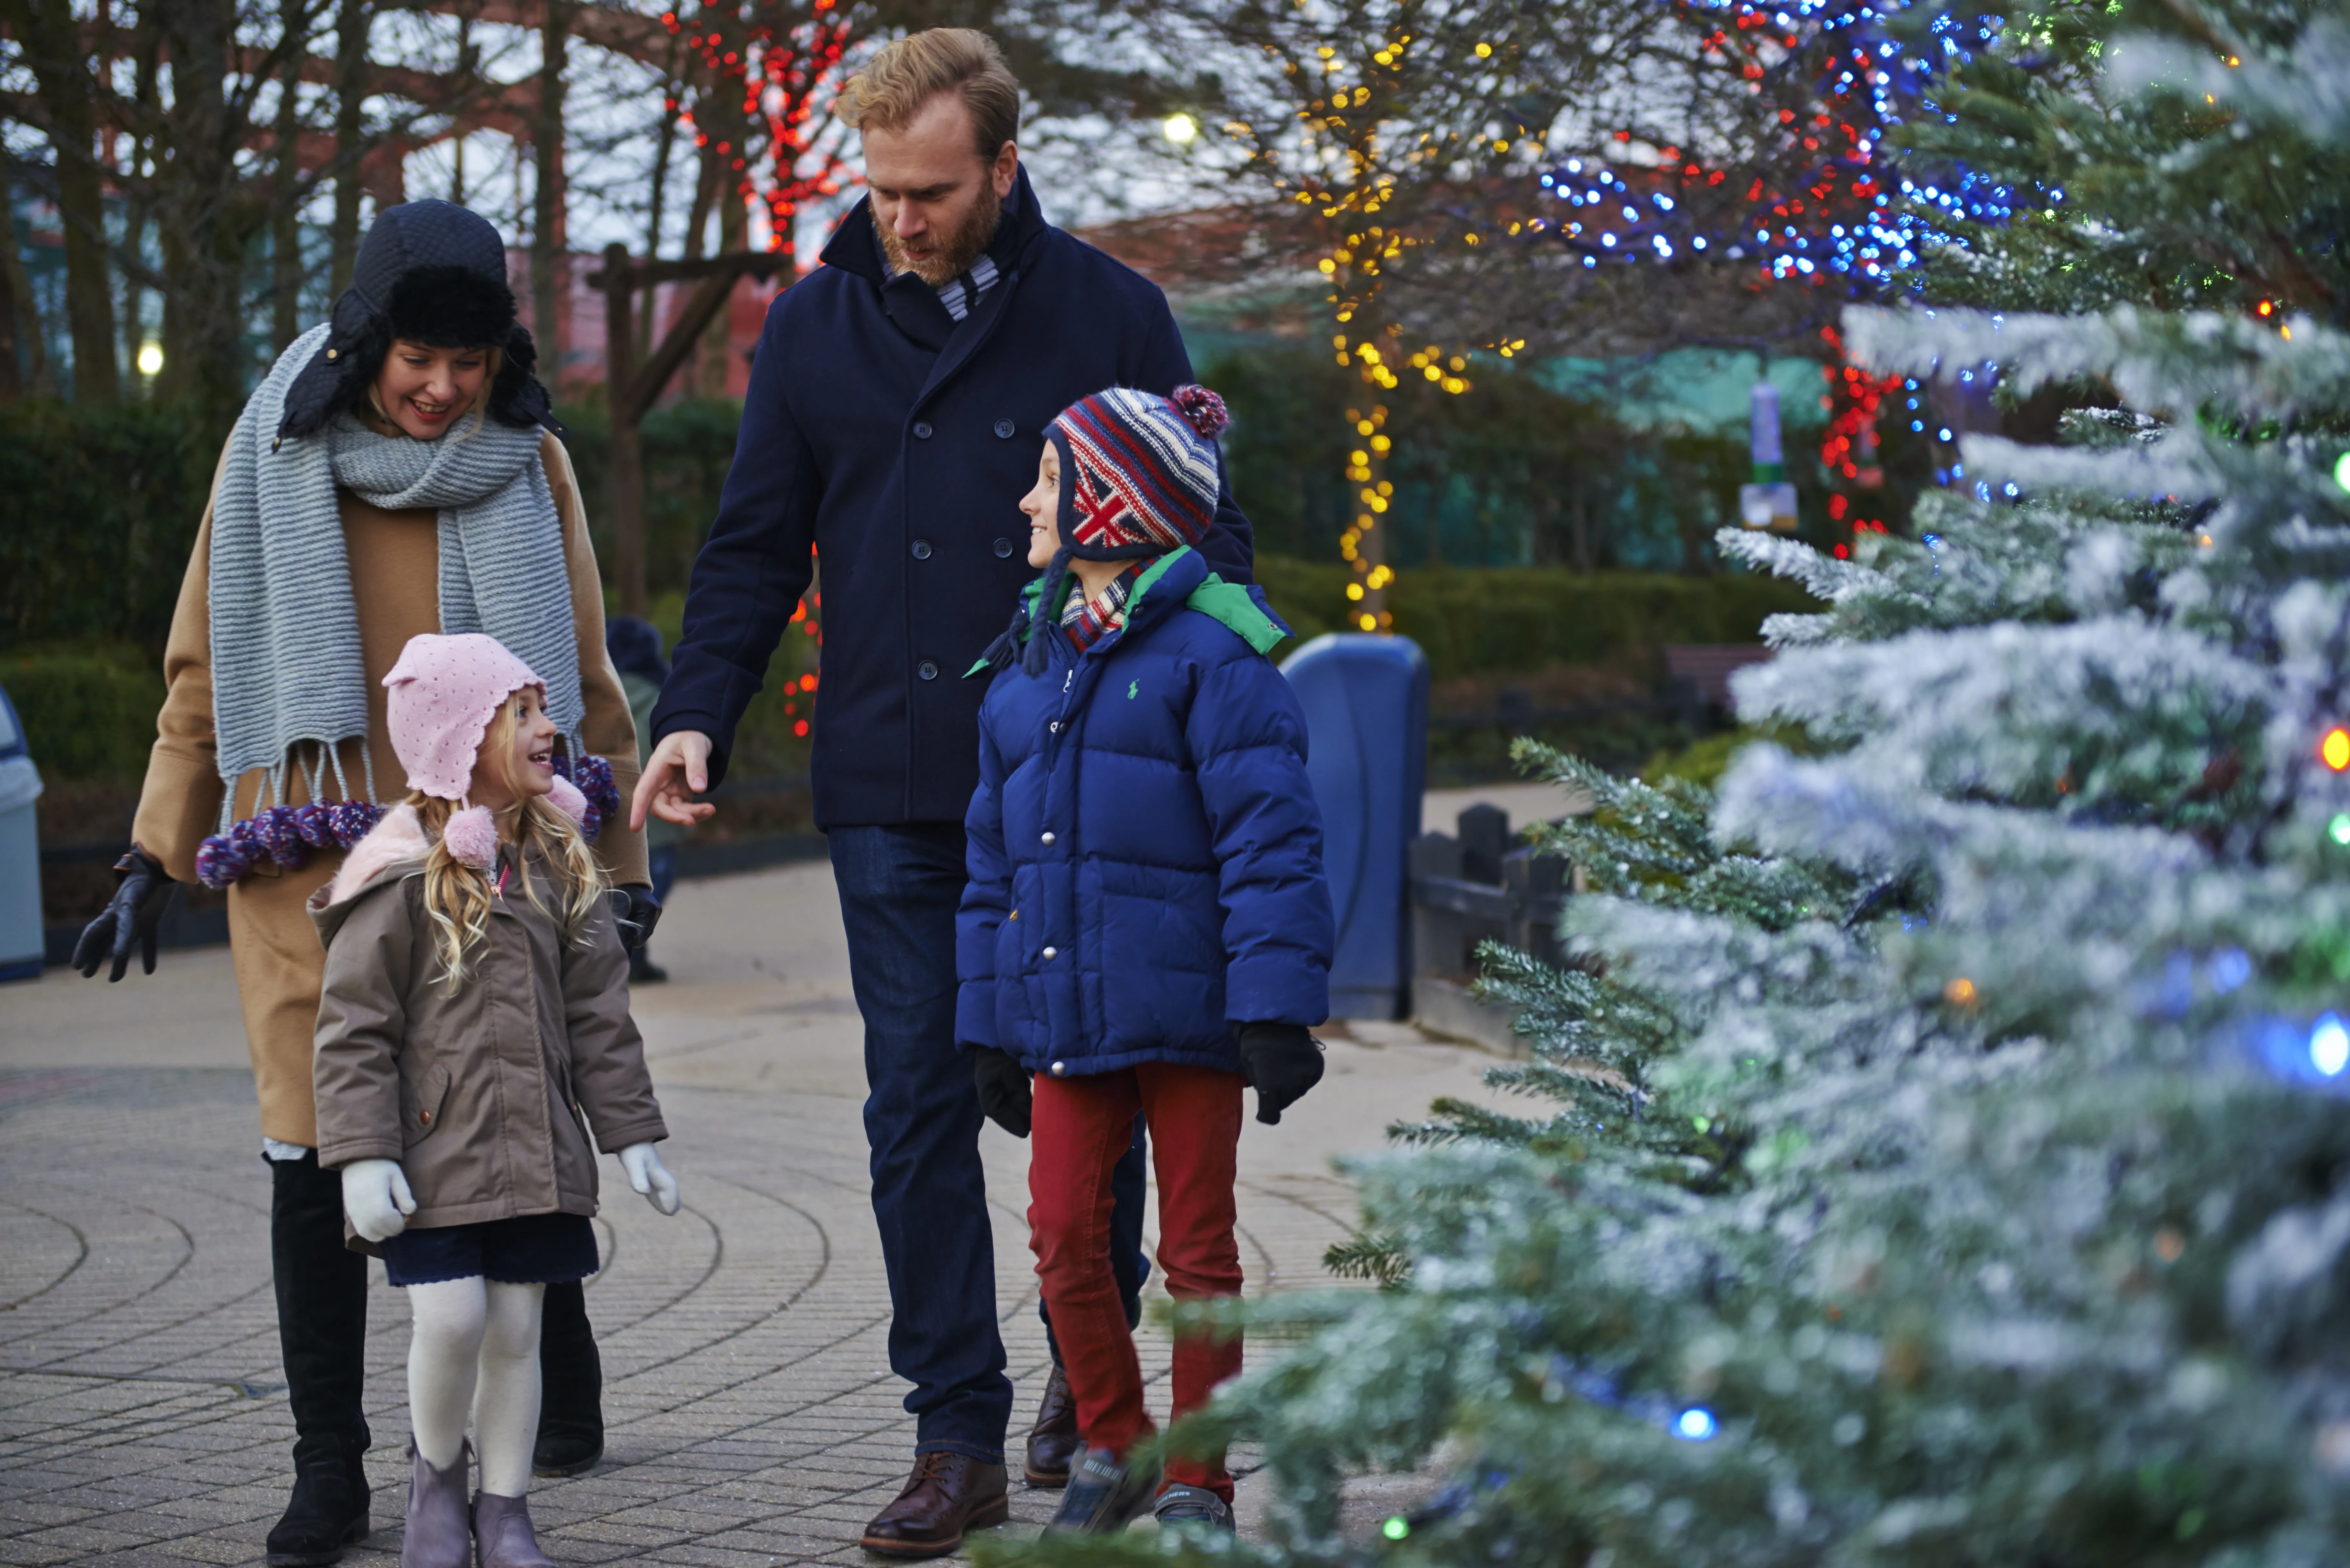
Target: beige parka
x,y
485,1094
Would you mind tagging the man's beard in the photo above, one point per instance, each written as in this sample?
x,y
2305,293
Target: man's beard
x,y
962,247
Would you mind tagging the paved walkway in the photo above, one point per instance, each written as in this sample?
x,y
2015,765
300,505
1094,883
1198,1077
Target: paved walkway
x,y
753,1416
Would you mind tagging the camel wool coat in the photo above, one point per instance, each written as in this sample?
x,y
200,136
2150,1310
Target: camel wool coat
x,y
395,585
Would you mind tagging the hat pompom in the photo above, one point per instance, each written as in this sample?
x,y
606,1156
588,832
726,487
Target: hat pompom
x,y
565,798
1202,407
472,837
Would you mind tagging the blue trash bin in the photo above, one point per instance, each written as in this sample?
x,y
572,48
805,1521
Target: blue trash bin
x,y
20,853
1366,702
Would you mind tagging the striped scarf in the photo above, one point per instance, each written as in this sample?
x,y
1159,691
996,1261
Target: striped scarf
x,y
286,662
1088,620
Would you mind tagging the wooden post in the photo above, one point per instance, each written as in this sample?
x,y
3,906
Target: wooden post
x,y
627,465
631,389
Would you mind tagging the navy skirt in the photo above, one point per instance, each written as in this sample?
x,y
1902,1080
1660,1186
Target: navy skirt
x,y
533,1250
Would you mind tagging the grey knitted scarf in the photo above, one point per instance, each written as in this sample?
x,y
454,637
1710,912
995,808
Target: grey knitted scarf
x,y
286,668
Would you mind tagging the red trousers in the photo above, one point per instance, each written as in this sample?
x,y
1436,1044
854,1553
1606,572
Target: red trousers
x,y
1081,1125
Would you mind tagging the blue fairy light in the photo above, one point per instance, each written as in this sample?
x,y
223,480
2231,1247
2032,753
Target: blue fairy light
x,y
1697,1424
2231,968
2329,1045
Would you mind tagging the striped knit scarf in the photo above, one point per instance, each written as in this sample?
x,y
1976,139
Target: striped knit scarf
x,y
1088,620
285,661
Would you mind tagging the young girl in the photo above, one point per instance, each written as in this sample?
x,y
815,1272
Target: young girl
x,y
474,1027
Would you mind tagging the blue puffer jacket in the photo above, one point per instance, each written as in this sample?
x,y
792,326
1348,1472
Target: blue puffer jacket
x,y
1146,854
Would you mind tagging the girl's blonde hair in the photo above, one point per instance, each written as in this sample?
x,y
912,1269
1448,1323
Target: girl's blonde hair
x,y
457,896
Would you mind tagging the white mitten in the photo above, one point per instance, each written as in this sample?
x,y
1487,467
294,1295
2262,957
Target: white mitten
x,y
376,1197
649,1175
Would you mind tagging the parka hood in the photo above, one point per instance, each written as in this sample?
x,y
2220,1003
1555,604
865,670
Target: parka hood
x,y
392,848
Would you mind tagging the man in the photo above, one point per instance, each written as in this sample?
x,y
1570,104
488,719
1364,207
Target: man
x,y
896,409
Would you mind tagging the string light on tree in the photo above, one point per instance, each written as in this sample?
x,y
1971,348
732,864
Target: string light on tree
x,y
781,62
1827,212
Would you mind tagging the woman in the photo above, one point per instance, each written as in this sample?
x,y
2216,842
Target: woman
x,y
390,477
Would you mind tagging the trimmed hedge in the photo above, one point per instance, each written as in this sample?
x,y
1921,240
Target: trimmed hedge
x,y
88,714
1519,619
103,506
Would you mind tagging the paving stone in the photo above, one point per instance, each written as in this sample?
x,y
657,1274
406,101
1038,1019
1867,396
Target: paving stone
x,y
751,1416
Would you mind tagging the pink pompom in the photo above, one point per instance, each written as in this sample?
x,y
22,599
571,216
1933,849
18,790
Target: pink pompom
x,y
565,798
472,837
1202,407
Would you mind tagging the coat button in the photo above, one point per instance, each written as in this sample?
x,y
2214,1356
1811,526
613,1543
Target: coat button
x,y
1060,1069
1004,428
1004,549
1054,727
921,549
1048,838
1052,953
923,431
928,670
425,1118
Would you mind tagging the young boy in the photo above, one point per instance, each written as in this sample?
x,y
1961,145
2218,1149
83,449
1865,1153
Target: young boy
x,y
1146,928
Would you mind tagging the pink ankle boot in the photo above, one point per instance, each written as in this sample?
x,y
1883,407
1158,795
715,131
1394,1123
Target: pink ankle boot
x,y
502,1537
436,1536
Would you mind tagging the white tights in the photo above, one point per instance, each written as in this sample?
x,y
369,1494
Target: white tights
x,y
475,1349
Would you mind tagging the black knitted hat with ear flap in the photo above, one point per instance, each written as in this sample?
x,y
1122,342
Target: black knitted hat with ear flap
x,y
434,273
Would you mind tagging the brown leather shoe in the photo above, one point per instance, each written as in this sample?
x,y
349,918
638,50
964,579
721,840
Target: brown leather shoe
x,y
1052,1442
947,1495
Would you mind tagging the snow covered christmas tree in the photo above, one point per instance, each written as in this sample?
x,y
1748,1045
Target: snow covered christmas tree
x,y
1942,1141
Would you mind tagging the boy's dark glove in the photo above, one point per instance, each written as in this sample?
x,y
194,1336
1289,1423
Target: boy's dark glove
x,y
1281,1062
1005,1093
638,913
141,890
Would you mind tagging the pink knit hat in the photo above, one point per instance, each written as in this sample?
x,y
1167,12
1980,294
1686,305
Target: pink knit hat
x,y
444,692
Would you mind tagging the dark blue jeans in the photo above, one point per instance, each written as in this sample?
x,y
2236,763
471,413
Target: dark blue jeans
x,y
899,887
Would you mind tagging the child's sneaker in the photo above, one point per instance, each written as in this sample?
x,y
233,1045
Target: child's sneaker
x,y
1193,1506
1104,1496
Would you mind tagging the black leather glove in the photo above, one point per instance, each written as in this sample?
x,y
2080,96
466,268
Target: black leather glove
x,y
638,913
1005,1093
141,890
1281,1062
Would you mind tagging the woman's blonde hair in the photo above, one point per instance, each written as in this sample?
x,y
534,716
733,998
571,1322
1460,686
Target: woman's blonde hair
x,y
457,896
377,417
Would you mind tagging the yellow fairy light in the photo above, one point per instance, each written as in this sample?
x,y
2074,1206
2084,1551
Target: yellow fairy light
x,y
1368,622
1484,51
1355,590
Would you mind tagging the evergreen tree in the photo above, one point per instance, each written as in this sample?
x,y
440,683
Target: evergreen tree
x,y
1940,1156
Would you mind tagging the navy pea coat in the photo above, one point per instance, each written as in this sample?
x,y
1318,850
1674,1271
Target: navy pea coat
x,y
1144,847
895,444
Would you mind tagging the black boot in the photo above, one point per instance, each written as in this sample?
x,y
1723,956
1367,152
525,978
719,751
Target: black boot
x,y
322,1334
571,1384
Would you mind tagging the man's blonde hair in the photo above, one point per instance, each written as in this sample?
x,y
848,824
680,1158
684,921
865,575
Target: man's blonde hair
x,y
897,82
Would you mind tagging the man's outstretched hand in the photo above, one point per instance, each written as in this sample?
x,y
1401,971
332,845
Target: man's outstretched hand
x,y
677,770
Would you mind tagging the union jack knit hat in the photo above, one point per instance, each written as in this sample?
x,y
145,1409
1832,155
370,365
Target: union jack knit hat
x,y
1139,471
